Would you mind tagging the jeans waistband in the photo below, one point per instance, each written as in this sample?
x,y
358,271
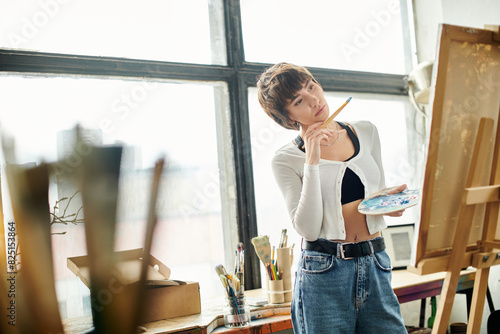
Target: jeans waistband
x,y
347,250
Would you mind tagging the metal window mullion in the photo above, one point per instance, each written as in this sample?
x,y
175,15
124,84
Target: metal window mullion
x,y
246,221
60,64
340,80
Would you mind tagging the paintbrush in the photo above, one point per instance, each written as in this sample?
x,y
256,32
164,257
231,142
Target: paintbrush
x,y
282,238
227,279
329,119
239,267
223,280
237,284
262,248
221,271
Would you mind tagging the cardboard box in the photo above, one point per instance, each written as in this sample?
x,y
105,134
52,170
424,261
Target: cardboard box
x,y
164,299
172,301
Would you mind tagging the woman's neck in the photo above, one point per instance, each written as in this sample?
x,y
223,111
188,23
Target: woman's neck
x,y
303,128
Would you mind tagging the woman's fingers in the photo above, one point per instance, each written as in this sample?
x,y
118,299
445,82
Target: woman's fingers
x,y
312,138
316,134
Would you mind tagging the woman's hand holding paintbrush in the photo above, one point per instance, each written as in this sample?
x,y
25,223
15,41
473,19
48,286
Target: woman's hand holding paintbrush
x,y
319,135
332,116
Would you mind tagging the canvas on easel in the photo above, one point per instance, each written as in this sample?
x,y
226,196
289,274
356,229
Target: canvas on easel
x,y
458,201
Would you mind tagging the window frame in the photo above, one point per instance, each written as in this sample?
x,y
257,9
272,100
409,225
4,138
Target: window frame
x,y
238,74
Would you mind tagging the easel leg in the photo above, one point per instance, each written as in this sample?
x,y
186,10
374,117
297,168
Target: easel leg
x,y
489,231
478,297
447,297
465,218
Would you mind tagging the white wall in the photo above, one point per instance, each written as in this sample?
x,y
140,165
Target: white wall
x,y
428,15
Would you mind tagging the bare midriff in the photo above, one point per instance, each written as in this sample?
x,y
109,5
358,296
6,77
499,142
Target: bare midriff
x,y
355,224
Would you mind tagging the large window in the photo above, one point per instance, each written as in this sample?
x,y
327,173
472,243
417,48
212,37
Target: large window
x,y
177,78
150,119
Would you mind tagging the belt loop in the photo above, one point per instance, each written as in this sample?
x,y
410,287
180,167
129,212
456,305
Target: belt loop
x,y
339,249
371,247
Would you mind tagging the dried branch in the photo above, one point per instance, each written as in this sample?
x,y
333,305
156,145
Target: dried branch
x,y
65,218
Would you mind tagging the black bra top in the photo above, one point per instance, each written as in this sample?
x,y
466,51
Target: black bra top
x,y
352,187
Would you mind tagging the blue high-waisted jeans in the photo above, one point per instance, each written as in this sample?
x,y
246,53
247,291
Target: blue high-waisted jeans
x,y
333,295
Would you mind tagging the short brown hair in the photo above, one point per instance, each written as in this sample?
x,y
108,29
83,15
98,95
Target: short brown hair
x,y
276,85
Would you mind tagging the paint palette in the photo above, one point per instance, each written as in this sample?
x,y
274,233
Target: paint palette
x,y
380,203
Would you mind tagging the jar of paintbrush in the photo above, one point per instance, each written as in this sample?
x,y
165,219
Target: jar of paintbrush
x,y
278,269
236,310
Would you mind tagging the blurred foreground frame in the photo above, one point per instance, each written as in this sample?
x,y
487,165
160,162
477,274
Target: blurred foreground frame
x,y
114,309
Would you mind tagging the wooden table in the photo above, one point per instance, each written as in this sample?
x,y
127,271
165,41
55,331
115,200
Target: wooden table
x,y
407,286
265,319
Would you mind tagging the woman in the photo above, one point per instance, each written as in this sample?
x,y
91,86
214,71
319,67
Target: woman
x,y
343,282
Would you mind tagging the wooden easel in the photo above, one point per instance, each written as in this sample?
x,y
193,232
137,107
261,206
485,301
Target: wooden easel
x,y
474,194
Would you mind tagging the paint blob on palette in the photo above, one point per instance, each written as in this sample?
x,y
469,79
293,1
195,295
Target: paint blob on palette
x,y
380,203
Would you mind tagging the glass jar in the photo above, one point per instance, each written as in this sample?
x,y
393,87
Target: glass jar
x,y
236,312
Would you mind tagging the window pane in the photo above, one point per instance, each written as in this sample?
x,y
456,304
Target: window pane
x,y
361,35
388,113
178,31
150,119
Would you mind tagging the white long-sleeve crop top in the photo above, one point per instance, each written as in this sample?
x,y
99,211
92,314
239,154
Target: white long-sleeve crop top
x,y
312,192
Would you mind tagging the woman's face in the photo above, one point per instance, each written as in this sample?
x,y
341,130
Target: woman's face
x,y
308,106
